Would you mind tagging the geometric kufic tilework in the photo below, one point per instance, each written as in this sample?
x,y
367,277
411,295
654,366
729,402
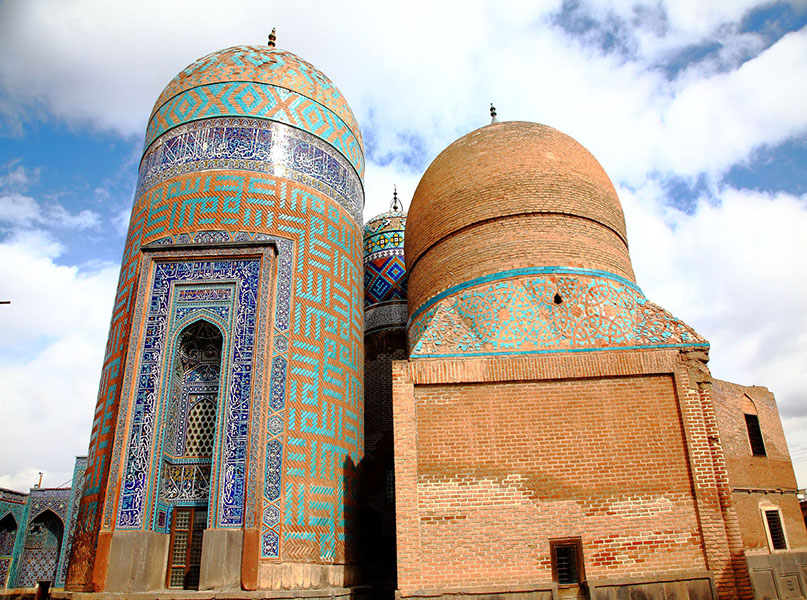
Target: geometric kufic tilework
x,y
306,205
547,309
385,276
324,323
265,101
262,64
254,145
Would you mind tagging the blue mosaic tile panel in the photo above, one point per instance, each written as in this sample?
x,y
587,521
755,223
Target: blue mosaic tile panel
x,y
265,101
253,145
559,309
135,493
72,518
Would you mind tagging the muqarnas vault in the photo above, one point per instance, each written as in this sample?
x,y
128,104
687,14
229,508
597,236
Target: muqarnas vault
x,y
534,425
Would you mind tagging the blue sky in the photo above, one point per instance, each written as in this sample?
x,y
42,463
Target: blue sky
x,y
697,110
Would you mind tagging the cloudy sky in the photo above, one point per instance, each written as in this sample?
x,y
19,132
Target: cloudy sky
x,y
697,109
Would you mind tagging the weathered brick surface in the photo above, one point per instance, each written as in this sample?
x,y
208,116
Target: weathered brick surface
x,y
509,169
515,242
758,482
496,456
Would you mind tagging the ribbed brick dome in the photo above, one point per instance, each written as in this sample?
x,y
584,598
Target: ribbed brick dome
x,y
507,196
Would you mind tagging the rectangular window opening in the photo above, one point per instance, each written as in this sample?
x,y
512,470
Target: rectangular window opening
x,y
775,530
567,561
389,485
755,435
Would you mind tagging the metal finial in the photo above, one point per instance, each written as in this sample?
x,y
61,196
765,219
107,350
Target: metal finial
x,y
493,118
272,38
395,205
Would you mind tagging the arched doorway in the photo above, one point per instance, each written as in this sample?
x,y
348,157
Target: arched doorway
x,y
189,442
40,554
8,537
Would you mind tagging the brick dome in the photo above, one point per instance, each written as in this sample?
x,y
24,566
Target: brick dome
x,y
509,196
261,82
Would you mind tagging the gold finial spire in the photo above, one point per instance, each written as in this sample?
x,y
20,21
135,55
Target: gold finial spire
x,y
272,38
395,205
493,118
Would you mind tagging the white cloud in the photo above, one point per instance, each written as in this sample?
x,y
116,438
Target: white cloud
x,y
715,122
54,334
23,211
731,270
17,176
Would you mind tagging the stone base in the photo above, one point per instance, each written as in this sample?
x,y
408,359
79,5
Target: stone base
x,y
685,586
221,559
306,576
541,591
681,588
355,593
137,561
18,594
778,576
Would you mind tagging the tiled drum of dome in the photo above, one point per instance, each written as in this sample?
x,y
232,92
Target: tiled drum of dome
x,y
384,268
544,309
297,180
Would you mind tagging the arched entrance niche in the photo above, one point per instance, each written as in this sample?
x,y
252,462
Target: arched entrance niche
x,y
8,537
40,554
188,448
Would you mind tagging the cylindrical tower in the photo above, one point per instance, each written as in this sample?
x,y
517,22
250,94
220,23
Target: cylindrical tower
x,y
385,318
228,427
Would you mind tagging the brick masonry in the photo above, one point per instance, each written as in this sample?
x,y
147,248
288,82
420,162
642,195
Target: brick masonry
x,y
758,482
495,456
509,195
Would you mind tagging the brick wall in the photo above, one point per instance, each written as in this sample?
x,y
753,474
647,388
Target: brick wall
x,y
758,482
496,456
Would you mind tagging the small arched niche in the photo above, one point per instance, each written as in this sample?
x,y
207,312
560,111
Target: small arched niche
x,y
8,537
189,445
43,542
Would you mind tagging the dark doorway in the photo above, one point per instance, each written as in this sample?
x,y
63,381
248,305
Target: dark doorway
x,y
185,554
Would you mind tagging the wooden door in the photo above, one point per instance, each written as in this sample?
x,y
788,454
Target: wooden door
x,y
185,553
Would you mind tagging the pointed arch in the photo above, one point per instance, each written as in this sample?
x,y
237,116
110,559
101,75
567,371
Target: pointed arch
x,y
191,418
8,539
41,514
41,548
